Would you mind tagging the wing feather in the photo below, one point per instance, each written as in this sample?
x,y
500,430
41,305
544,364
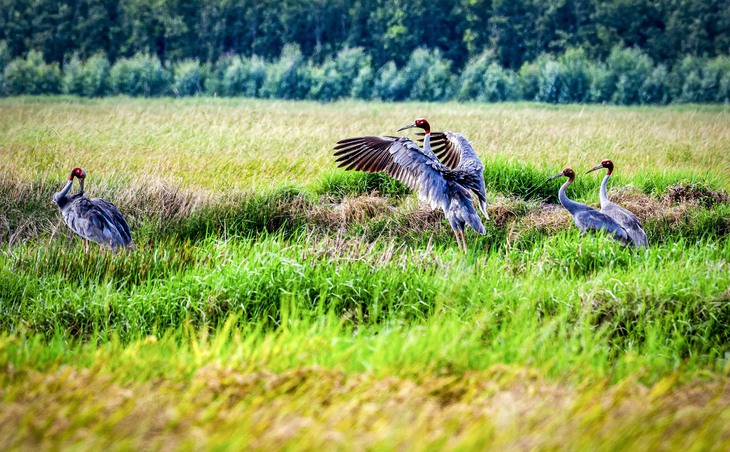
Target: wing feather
x,y
446,150
628,221
401,159
117,218
593,220
92,223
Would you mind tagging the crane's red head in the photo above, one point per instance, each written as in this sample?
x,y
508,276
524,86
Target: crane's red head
x,y
567,172
77,172
604,164
420,123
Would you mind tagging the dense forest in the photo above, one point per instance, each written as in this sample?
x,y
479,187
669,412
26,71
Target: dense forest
x,y
622,51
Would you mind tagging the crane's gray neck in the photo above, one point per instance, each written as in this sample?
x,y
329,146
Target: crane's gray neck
x,y
571,206
602,193
60,197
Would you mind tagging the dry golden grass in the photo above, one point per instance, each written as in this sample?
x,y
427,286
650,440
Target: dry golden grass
x,y
225,144
314,408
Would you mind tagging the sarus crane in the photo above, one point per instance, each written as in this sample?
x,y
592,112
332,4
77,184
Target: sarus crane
x,y
586,217
451,183
624,217
93,219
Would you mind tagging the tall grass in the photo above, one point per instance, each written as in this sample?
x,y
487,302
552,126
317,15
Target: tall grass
x,y
273,301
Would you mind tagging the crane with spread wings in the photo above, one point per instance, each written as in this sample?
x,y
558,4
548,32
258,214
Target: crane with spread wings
x,y
448,175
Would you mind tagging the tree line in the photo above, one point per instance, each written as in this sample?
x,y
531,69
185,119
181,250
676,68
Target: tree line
x,y
516,31
627,76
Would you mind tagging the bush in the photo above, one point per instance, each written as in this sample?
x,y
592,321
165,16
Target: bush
x,y
653,90
88,78
214,80
141,75
427,76
484,80
629,70
715,78
499,84
289,77
389,84
325,82
548,82
529,77
471,81
189,78
575,77
602,86
4,60
339,78
31,75
362,86
243,77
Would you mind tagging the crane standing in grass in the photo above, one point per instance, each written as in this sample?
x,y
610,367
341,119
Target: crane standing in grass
x,y
93,219
624,217
585,217
450,185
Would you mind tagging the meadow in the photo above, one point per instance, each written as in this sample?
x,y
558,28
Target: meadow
x,y
274,301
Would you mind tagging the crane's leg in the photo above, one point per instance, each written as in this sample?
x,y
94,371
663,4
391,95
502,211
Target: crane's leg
x,y
86,247
463,240
458,242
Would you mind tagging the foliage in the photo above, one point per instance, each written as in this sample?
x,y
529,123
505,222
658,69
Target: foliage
x,y
627,77
243,77
342,77
389,85
548,82
5,58
89,78
31,75
654,88
289,77
484,80
427,75
141,75
575,76
630,68
189,78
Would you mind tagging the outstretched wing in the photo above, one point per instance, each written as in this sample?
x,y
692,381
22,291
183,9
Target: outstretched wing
x,y
453,150
401,159
445,147
117,218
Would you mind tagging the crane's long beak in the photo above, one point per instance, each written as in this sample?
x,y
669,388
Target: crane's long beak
x,y
597,167
556,176
409,126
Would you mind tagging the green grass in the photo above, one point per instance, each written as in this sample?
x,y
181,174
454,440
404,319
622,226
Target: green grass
x,y
273,301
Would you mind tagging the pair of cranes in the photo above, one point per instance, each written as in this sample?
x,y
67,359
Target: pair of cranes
x,y
446,173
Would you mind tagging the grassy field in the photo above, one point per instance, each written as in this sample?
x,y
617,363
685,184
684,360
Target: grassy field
x,y
273,301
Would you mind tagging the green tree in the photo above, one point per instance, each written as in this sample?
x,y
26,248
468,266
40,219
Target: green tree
x,y
88,78
629,69
31,75
141,75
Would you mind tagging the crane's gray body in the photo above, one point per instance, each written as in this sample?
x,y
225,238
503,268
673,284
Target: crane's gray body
x,y
448,188
93,219
623,217
587,218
